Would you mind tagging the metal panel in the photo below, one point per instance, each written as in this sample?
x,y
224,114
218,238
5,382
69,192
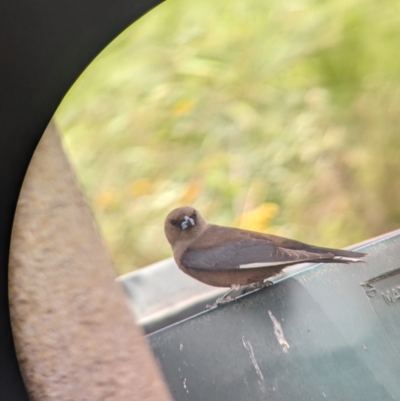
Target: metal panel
x,y
316,335
161,294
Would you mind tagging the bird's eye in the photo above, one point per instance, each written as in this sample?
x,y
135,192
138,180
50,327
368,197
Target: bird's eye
x,y
194,214
174,222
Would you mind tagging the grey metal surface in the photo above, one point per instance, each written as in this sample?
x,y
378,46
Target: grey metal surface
x,y
161,294
313,336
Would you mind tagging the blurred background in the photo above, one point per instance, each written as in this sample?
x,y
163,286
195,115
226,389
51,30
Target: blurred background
x,y
277,116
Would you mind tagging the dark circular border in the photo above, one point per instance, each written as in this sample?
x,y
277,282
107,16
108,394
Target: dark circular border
x,y
44,46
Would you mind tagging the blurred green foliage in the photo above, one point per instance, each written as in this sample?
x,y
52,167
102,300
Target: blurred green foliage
x,y
275,115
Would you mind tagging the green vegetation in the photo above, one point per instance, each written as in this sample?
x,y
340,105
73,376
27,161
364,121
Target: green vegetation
x,y
281,116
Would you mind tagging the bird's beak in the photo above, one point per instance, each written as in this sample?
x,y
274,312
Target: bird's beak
x,y
187,222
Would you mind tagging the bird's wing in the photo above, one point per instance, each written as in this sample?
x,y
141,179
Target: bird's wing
x,y
246,253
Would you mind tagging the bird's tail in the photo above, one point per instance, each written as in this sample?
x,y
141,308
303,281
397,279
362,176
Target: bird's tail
x,y
342,255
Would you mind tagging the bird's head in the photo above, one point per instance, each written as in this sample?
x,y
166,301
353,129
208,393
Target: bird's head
x,y
183,223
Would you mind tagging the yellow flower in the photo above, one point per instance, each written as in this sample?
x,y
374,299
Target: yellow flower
x,y
258,218
142,186
105,199
189,194
182,107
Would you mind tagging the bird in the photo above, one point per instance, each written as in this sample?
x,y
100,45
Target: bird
x,y
231,257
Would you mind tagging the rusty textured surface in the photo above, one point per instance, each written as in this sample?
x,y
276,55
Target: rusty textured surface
x,y
74,333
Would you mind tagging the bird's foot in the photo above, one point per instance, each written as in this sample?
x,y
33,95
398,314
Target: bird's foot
x,y
221,300
225,298
257,286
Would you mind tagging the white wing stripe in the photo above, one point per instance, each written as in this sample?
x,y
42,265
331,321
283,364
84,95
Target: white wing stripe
x,y
264,264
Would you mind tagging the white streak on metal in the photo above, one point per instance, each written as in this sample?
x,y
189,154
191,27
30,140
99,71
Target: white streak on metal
x,y
279,332
249,348
184,385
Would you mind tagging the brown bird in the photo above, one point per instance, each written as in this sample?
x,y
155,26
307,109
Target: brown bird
x,y
231,257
